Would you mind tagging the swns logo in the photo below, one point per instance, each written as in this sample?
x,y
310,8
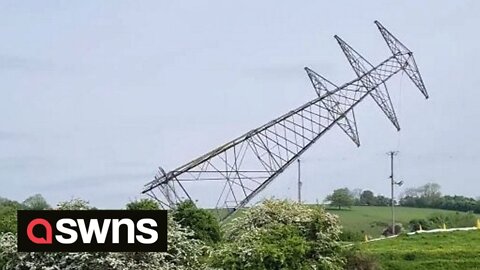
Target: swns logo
x,y
92,230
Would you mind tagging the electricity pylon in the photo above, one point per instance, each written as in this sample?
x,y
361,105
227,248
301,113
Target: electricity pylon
x,y
231,175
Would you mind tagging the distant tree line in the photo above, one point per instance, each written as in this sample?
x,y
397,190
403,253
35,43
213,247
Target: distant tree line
x,y
367,197
426,196
429,196
8,210
344,197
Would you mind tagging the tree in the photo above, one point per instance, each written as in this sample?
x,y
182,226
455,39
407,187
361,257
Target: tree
x,y
356,193
4,202
428,195
143,204
8,220
412,192
75,204
431,194
281,235
431,190
367,198
36,202
8,215
381,200
202,222
340,197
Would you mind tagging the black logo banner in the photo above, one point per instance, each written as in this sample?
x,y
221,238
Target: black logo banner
x,y
92,230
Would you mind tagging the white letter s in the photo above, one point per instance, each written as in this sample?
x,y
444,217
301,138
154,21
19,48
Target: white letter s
x,y
153,234
61,228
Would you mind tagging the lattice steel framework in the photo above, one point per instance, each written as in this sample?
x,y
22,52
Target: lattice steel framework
x,y
240,169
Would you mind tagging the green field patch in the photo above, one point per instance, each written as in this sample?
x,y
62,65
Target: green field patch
x,y
445,250
372,220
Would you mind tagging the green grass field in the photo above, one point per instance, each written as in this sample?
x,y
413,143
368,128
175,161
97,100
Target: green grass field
x,y
373,219
453,250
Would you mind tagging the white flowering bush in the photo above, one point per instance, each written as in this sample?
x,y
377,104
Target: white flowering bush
x,y
184,253
280,234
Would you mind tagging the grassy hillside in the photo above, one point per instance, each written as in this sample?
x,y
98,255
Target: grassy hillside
x,y
370,220
454,250
373,219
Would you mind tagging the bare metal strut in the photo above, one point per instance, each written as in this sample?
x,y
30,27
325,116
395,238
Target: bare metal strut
x,y
234,173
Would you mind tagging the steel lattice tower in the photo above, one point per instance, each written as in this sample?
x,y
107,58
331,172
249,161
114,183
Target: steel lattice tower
x,y
243,167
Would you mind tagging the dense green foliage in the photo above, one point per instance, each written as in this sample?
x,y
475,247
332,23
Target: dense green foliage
x,y
184,253
453,250
8,215
345,197
202,222
8,211
359,260
457,203
36,202
341,197
272,235
281,235
143,204
367,197
429,196
426,196
351,236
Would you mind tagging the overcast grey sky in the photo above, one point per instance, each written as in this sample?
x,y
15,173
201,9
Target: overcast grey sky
x,y
96,94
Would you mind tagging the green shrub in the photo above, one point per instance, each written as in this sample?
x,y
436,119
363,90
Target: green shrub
x,y
281,235
409,256
351,236
8,220
143,204
203,223
358,260
414,224
8,215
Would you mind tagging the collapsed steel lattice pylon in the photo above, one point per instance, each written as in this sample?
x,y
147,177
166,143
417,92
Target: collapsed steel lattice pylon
x,y
245,166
